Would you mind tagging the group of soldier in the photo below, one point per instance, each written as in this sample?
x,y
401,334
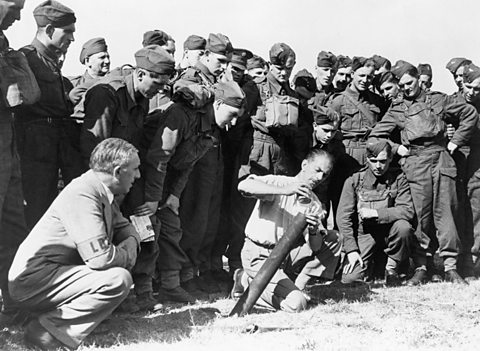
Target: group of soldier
x,y
222,151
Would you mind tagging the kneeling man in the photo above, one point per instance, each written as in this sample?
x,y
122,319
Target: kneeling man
x,y
375,210
72,270
280,199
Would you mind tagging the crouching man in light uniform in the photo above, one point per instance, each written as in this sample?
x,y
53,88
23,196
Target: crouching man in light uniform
x,y
72,270
280,199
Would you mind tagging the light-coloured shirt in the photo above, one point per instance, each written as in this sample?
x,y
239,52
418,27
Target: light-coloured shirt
x,y
273,214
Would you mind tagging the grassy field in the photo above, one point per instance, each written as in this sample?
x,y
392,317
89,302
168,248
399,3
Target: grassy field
x,y
435,316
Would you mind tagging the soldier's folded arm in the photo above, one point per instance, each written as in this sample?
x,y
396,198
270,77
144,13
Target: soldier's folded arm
x,y
403,206
85,224
467,120
100,108
384,128
345,215
169,134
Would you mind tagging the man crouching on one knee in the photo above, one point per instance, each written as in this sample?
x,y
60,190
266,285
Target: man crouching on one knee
x,y
374,213
72,270
280,199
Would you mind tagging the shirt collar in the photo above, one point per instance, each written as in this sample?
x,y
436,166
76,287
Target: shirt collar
x,y
206,72
110,195
45,52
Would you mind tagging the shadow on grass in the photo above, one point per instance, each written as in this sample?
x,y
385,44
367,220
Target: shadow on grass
x,y
341,292
167,327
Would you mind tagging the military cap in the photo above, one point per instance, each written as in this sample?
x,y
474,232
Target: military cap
x,y
471,73
358,62
194,42
376,145
425,69
240,57
380,61
155,37
256,62
303,78
230,93
54,13
455,63
155,59
326,59
93,46
280,53
343,62
325,115
219,44
401,67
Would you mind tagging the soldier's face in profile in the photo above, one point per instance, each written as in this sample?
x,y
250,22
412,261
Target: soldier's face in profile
x,y
283,73
389,90
62,37
362,78
324,76
150,84
409,86
458,76
216,63
379,164
99,63
127,174
471,91
225,115
12,13
342,78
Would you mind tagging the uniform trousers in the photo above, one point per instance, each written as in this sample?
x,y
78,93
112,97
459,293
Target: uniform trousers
x,y
13,229
77,300
395,239
45,147
431,175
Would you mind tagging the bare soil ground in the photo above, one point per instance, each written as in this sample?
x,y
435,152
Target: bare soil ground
x,y
434,316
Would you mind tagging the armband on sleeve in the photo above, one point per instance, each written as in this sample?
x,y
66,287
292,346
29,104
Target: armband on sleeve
x,y
94,247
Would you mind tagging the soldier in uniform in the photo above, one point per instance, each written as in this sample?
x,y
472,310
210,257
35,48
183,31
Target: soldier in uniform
x,y
374,213
94,55
317,252
13,228
428,166
257,69
359,111
325,71
117,108
193,49
456,66
184,135
45,145
72,270
268,153
425,76
236,145
467,165
201,199
343,73
387,85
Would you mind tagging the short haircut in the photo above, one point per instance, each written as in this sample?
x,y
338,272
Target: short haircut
x,y
111,153
314,153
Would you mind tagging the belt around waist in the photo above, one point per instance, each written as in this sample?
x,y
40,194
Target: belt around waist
x,y
417,150
47,120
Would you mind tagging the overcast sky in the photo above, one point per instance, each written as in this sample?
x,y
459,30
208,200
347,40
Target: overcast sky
x,y
419,31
